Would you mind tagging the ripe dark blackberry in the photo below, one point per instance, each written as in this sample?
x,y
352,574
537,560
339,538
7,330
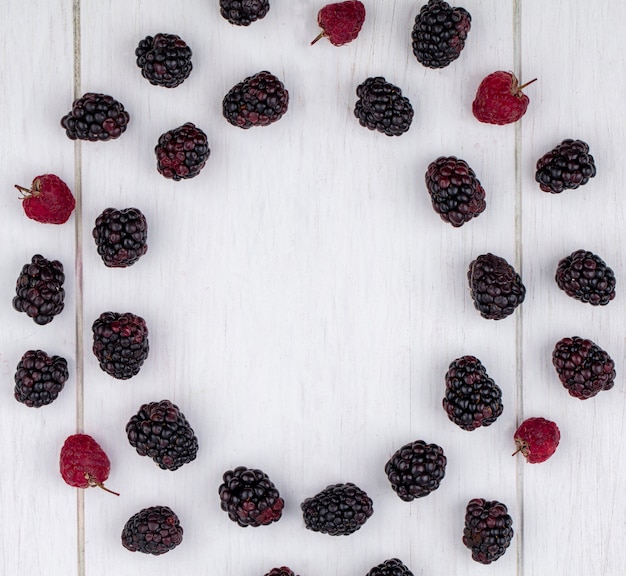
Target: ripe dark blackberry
x,y
244,12
282,571
250,498
586,277
182,152
565,167
259,100
95,117
39,378
120,343
416,469
165,60
161,431
391,567
155,530
488,529
338,510
121,236
39,289
382,107
456,193
583,367
439,33
495,287
472,398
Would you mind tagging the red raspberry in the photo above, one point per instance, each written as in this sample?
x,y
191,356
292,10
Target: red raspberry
x,y
499,99
49,200
537,439
341,22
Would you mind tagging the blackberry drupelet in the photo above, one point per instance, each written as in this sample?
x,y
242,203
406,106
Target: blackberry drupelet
x,y
95,117
244,12
456,193
488,529
250,498
259,100
165,60
472,398
39,289
120,343
121,236
39,378
585,276
416,469
495,287
338,510
282,571
382,107
439,33
391,567
161,431
155,530
583,367
565,167
182,152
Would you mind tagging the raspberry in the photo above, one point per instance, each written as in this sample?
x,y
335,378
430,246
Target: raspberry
x,y
244,12
182,152
382,107
282,571
340,22
49,200
155,530
39,378
121,236
439,33
565,167
488,529
95,117
391,567
499,99
585,277
537,439
165,60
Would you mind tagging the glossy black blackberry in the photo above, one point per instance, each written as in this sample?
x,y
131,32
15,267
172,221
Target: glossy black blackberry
x,y
281,571
381,106
338,510
182,152
391,567
165,60
259,100
565,167
244,12
472,399
456,193
95,117
416,469
39,289
39,378
585,276
488,529
161,431
155,530
120,343
121,236
250,497
583,367
439,33
495,287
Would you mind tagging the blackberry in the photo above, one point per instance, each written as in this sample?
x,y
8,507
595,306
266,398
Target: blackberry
x,y
495,287
155,530
472,398
565,167
39,378
39,289
121,236
439,33
488,529
120,343
282,571
338,510
583,367
95,117
161,431
165,60
250,498
585,276
456,193
391,567
258,100
416,469
244,12
382,107
182,152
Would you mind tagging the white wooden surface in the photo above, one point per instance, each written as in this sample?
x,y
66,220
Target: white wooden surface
x,y
303,299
